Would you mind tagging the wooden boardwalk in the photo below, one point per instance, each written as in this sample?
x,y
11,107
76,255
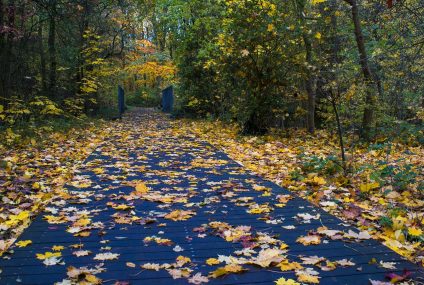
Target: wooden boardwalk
x,y
103,213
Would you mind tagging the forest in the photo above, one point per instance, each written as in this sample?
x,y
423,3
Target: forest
x,y
352,67
323,97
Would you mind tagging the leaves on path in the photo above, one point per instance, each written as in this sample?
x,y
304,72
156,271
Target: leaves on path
x,y
30,176
380,195
162,190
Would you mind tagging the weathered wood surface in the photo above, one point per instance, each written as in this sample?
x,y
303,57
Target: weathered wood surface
x,y
145,149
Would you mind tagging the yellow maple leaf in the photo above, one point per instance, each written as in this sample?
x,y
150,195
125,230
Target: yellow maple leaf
x,y
415,232
98,170
82,222
15,219
54,220
368,186
141,188
36,186
212,261
318,180
91,279
58,248
122,207
286,265
308,240
82,234
283,281
257,211
233,268
24,243
398,222
48,254
181,260
230,268
306,278
179,215
257,187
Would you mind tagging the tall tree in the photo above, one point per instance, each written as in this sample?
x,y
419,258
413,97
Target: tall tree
x,y
370,98
52,47
310,70
43,69
2,45
10,32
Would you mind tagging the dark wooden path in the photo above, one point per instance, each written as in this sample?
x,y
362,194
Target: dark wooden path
x,y
191,175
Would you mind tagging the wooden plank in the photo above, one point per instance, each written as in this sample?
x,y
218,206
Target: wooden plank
x,y
24,266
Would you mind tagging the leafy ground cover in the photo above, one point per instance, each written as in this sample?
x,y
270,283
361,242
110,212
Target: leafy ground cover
x,y
149,175
35,170
154,202
382,193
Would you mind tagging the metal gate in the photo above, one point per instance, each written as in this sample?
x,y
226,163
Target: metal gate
x,y
168,99
121,100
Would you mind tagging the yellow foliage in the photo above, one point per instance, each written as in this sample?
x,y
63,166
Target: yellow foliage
x,y
283,281
48,254
212,261
230,268
58,248
368,186
141,188
415,231
24,243
15,219
286,265
314,2
306,278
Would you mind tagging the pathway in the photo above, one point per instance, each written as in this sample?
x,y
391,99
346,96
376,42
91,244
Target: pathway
x,y
152,203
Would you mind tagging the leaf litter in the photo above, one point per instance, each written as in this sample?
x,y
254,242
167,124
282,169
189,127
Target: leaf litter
x,y
146,178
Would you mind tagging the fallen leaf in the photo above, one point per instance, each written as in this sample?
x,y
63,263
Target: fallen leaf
x,y
387,265
198,278
24,243
106,256
141,188
212,261
283,281
48,254
230,268
58,248
80,253
415,231
308,240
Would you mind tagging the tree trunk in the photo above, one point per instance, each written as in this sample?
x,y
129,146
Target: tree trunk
x,y
335,47
52,50
42,57
310,85
2,46
370,98
334,93
7,50
310,82
339,131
